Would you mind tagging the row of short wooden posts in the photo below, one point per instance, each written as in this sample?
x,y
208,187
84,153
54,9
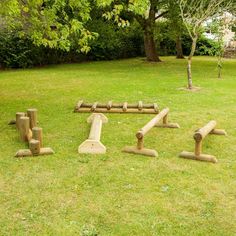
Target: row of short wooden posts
x,y
26,124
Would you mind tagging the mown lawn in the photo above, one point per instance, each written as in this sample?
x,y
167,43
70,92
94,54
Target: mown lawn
x,y
119,193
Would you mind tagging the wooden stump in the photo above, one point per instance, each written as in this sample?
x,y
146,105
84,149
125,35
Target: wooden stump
x,y
32,114
18,116
37,133
25,132
34,146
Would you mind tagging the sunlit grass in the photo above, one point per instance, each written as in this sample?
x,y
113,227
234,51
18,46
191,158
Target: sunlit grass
x,y
119,193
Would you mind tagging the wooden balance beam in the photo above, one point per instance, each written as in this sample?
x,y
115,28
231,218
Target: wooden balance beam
x,y
111,107
139,149
199,136
35,145
93,144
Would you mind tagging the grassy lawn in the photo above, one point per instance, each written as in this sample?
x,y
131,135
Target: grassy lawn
x,y
119,193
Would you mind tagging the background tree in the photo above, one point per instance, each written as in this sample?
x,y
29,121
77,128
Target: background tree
x,y
194,14
55,24
146,12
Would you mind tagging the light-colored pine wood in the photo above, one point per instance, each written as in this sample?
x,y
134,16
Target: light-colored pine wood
x,y
199,136
25,133
34,146
202,157
79,104
18,116
155,106
117,110
140,105
37,134
109,105
28,153
125,105
218,132
32,114
143,151
204,131
94,106
139,149
93,144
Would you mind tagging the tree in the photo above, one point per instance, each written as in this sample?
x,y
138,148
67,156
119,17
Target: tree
x,y
146,12
52,23
194,14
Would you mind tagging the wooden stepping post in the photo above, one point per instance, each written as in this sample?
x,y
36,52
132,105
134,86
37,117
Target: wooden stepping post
x,y
35,146
199,136
32,114
139,149
24,128
93,144
18,116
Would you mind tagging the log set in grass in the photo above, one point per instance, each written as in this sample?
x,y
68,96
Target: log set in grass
x,y
139,149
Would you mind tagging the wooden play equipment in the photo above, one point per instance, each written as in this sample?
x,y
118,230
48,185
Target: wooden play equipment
x,y
23,125
111,107
199,136
35,145
139,149
93,145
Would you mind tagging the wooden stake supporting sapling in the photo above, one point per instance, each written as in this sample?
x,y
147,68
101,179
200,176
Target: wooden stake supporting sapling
x,y
139,149
93,144
199,136
35,146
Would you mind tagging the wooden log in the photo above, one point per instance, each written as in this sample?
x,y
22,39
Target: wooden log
x,y
28,153
94,106
32,114
18,116
198,148
152,123
143,151
117,110
155,107
125,106
204,131
109,105
12,122
37,134
79,104
34,146
140,105
25,133
202,157
93,144
218,132
115,105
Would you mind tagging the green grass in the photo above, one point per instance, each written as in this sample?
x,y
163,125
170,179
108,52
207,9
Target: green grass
x,y
119,193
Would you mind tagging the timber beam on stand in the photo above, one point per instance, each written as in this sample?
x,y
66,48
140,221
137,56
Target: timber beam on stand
x,y
199,136
93,144
111,107
139,148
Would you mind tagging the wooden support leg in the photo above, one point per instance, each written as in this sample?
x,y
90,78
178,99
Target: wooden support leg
x,y
165,123
197,155
139,149
34,146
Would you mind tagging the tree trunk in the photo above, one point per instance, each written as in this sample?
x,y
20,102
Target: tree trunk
x,y
179,49
189,67
150,47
